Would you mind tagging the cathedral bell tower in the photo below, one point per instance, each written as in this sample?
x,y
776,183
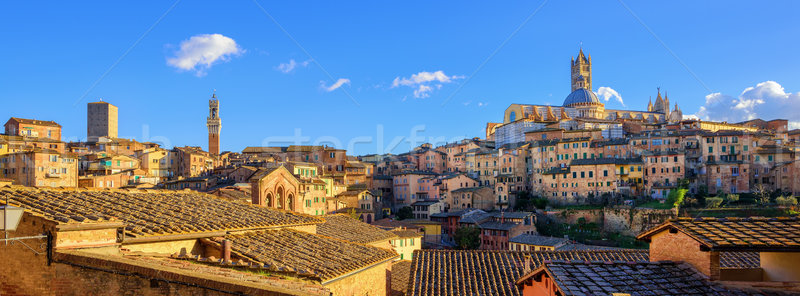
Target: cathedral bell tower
x,y
214,124
581,71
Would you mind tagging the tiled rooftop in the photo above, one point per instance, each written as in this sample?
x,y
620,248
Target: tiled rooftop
x,y
538,240
306,254
740,234
151,212
343,227
641,278
439,272
400,272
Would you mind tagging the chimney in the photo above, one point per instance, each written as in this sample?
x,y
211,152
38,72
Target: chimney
x,y
226,251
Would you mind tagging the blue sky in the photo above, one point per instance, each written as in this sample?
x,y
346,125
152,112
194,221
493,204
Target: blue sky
x,y
743,56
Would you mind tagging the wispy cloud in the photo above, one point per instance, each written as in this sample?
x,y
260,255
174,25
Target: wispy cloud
x,y
291,65
336,85
200,52
423,82
767,100
606,93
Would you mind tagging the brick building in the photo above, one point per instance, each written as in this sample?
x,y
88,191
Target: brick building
x,y
33,128
40,167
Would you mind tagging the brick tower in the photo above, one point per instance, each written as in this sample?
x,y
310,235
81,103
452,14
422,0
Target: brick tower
x,y
214,124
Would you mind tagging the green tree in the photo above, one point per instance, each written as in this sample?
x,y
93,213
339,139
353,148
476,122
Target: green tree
x,y
676,196
468,238
353,214
405,213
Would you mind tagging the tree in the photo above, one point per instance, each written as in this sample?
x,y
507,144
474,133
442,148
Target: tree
x,y
353,214
405,213
528,202
762,194
675,197
468,238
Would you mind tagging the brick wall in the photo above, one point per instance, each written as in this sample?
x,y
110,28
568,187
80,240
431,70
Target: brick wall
x,y
680,247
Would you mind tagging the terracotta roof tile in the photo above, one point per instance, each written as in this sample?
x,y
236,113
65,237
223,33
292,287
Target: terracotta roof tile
x,y
458,273
343,227
151,212
312,255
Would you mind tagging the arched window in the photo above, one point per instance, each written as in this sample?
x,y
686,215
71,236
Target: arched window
x,y
269,200
279,200
290,202
512,117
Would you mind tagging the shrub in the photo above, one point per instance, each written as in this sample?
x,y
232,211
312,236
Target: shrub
x,y
786,201
732,198
713,202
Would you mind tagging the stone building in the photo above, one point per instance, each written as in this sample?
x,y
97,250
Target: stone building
x,y
101,121
581,109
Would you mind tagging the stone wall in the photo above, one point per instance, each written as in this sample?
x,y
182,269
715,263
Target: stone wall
x,y
373,281
622,220
634,221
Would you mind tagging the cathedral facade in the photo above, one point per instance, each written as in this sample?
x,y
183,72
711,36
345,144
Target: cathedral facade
x,y
581,110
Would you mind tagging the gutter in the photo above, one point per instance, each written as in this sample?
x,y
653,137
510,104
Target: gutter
x,y
174,237
89,226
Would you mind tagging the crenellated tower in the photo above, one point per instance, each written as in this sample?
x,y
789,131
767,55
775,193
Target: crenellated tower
x,y
214,124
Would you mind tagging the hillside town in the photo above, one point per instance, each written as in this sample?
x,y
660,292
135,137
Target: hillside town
x,y
573,199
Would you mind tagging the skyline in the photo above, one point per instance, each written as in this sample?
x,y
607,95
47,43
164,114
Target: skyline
x,y
431,73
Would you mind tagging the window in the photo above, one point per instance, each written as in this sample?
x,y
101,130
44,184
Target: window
x,y
605,173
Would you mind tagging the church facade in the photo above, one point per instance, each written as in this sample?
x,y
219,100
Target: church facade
x,y
581,110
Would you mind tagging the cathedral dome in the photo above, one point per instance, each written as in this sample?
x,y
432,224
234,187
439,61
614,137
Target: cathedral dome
x,y
581,96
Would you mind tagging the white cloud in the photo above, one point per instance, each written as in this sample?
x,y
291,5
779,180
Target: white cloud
x,y
421,82
201,51
291,65
607,93
690,116
767,100
335,86
423,91
482,104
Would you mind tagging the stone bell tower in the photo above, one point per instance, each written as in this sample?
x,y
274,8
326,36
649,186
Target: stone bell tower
x,y
214,124
581,69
